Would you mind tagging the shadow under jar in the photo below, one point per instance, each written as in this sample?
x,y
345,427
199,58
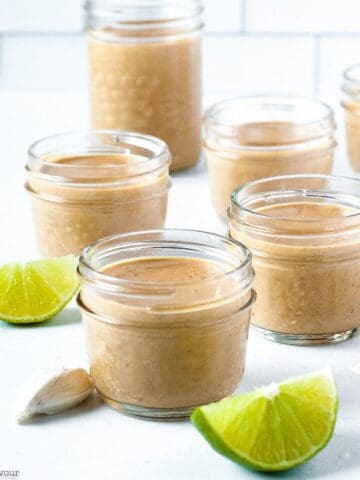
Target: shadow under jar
x,y
166,316
247,138
304,234
145,71
87,185
351,107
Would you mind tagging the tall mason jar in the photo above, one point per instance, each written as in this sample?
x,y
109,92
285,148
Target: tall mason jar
x,y
247,138
351,106
304,234
145,70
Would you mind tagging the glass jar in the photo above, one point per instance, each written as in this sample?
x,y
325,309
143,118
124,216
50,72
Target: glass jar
x,y
248,138
86,185
166,316
145,71
351,106
304,234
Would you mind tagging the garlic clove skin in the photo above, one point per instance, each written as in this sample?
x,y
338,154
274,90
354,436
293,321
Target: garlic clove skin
x,y
53,392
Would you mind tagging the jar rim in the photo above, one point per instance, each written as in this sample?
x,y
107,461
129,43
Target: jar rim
x,y
96,142
212,113
351,76
144,10
349,70
241,195
181,237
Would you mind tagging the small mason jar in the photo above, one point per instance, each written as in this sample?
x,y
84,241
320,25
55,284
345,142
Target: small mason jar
x,y
351,106
145,71
166,316
87,185
304,234
247,138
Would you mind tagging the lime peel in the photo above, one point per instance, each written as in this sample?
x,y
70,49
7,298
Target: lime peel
x,y
276,427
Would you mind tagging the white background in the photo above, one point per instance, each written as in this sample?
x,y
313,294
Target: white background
x,y
93,441
297,46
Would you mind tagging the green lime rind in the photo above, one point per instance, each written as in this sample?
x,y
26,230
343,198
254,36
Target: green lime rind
x,y
36,291
273,428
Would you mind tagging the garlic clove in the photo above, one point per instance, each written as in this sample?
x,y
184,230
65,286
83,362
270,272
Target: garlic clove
x,y
53,392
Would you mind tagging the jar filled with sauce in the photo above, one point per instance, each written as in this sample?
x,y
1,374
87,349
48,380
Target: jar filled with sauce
x,y
166,316
304,234
145,71
351,107
86,185
248,138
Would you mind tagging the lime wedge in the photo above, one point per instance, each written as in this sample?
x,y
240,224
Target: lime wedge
x,y
38,290
276,427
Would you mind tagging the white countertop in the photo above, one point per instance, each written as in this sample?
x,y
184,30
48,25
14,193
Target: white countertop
x,y
93,441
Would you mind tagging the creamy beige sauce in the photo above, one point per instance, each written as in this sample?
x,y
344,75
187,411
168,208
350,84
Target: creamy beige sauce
x,y
306,285
306,210
151,87
93,160
95,168
308,217
167,357
166,270
352,127
95,200
229,169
